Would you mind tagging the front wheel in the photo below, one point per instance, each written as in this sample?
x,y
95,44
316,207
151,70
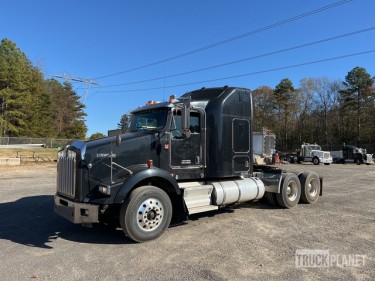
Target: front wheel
x,y
290,192
358,161
315,161
146,213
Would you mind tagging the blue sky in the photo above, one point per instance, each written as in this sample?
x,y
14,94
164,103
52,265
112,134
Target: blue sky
x,y
122,42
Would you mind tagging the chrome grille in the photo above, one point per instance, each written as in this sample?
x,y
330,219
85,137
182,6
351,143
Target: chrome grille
x,y
326,155
369,158
66,176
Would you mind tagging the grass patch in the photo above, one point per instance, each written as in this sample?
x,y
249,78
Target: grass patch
x,y
41,153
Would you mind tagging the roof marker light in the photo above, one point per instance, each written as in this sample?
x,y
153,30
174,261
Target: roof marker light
x,y
172,98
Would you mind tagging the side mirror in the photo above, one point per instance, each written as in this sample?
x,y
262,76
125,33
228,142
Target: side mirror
x,y
185,117
118,140
185,121
186,133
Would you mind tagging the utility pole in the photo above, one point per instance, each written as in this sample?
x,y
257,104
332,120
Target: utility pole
x,y
87,81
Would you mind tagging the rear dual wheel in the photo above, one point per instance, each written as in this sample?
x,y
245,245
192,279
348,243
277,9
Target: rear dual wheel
x,y
310,184
306,188
290,192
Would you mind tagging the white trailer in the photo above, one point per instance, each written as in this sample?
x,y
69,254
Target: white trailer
x,y
264,144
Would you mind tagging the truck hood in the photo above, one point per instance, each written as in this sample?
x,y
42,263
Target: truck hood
x,y
134,149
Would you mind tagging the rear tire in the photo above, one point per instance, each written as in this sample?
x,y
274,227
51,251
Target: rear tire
x,y
146,213
290,192
310,186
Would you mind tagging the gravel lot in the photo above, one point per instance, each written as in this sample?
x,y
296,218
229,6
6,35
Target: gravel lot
x,y
252,241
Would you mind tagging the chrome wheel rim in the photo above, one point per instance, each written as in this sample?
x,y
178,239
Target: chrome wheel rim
x,y
312,187
150,214
292,191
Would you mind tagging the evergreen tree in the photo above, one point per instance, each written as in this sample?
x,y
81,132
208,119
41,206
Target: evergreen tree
x,y
124,122
15,96
39,120
357,93
285,95
68,111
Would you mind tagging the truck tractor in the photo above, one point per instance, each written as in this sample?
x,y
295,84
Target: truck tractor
x,y
180,157
313,153
353,154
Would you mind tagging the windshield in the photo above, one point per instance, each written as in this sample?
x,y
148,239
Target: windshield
x,y
315,147
150,120
360,150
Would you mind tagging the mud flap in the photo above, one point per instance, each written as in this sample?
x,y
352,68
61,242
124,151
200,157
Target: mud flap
x,y
321,186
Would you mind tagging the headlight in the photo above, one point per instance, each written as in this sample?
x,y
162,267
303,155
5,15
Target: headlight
x,y
105,189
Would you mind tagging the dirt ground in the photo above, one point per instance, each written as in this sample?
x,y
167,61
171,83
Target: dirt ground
x,y
252,241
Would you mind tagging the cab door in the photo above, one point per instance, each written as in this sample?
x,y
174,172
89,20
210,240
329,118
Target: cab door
x,y
185,158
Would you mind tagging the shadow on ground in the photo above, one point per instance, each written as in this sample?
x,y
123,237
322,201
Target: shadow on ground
x,y
31,221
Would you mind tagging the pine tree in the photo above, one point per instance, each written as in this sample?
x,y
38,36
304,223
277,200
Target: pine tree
x,y
68,114
15,96
357,93
285,96
39,120
124,122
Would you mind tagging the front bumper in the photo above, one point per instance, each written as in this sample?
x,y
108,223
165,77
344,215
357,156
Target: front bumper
x,y
369,159
326,161
76,212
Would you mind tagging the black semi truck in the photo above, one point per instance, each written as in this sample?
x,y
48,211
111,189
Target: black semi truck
x,y
352,154
185,156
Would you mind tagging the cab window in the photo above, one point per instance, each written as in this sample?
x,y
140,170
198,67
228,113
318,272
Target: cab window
x,y
176,126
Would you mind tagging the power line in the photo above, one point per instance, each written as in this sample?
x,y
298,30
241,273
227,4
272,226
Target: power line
x,y
245,74
245,59
226,41
87,81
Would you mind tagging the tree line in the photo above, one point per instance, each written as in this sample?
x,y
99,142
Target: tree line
x,y
33,106
329,112
326,111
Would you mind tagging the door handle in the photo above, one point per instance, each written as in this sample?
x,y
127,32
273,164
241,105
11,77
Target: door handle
x,y
197,160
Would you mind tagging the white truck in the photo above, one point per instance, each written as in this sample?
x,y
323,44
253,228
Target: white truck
x,y
313,153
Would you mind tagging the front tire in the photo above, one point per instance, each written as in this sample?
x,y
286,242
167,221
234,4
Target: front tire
x,y
290,192
146,213
310,185
316,161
